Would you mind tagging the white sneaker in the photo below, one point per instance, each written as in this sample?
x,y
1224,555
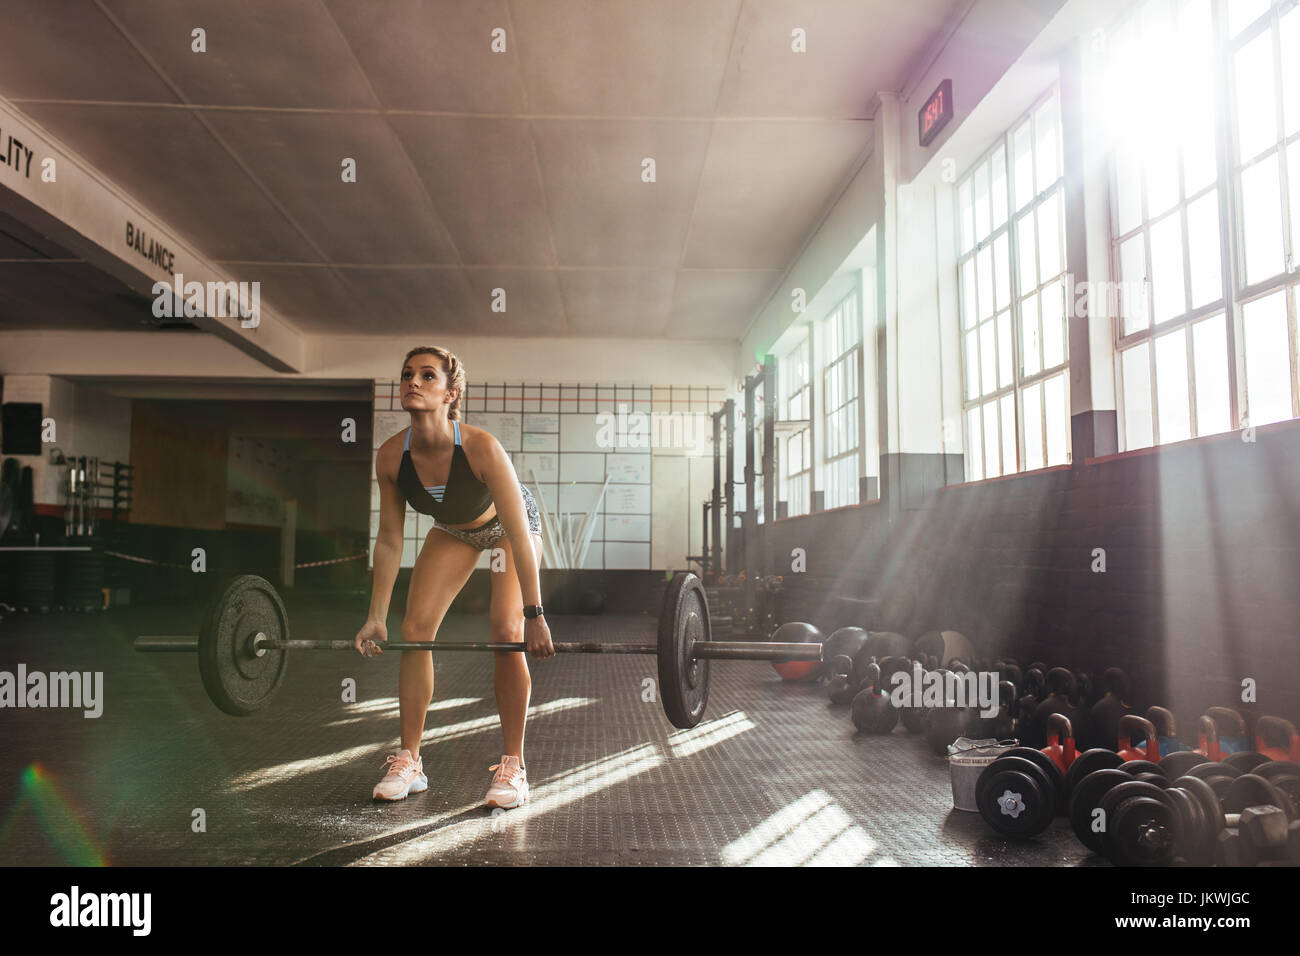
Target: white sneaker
x,y
405,776
510,785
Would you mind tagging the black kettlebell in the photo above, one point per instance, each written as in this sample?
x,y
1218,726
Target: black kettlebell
x,y
873,712
840,687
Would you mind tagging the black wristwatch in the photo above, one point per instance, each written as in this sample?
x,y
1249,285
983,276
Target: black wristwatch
x,y
532,610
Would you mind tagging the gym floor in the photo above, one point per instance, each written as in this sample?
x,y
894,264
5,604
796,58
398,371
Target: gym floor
x,y
774,774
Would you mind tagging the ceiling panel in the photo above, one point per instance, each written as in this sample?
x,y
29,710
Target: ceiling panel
x,y
717,304
68,50
765,172
385,217
602,213
435,54
258,53
167,159
624,57
620,302
483,177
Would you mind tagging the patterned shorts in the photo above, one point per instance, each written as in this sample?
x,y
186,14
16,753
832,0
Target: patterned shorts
x,y
485,536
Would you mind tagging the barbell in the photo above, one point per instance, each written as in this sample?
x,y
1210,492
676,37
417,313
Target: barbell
x,y
243,645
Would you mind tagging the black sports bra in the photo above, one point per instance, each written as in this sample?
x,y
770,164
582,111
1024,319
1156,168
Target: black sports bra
x,y
462,499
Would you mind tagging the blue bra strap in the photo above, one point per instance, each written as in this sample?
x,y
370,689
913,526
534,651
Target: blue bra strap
x,y
408,439
457,425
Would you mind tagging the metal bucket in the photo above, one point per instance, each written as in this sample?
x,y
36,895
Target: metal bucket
x,y
967,760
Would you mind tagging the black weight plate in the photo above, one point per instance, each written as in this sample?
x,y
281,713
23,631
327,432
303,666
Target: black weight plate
x,y
1048,766
1159,779
1245,760
683,682
1113,797
1136,767
1195,847
1252,790
1208,800
1015,799
1207,770
1098,758
239,682
1086,797
1144,831
1277,768
1283,775
1180,762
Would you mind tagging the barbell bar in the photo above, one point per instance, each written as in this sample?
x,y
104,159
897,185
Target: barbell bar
x,y
243,644
701,650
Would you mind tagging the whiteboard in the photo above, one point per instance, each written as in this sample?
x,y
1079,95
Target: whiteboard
x,y
504,425
533,442
388,424
544,423
628,469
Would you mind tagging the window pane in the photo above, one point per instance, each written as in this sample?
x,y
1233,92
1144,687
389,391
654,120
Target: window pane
x,y
1261,202
1195,117
1008,432
1291,69
974,445
1242,13
1023,171
1203,239
1137,396
999,186
1054,324
1002,269
1128,183
1133,271
1047,124
1031,362
1256,97
984,280
1054,412
1210,362
1174,415
988,359
1161,161
1025,243
981,201
972,365
991,463
968,304
1032,401
1293,184
966,213
1268,359
1200,165
1005,356
1049,238
1167,293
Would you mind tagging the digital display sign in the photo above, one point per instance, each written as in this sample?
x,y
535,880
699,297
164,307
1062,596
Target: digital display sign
x,y
936,112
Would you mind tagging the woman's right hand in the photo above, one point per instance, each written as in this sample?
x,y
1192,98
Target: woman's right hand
x,y
370,637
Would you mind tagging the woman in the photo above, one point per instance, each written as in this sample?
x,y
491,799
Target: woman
x,y
461,476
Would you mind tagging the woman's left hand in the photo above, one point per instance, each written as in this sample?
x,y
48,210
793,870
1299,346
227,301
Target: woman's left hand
x,y
537,636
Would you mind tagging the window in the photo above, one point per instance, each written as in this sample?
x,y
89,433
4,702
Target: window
x,y
841,402
796,449
1012,300
1177,333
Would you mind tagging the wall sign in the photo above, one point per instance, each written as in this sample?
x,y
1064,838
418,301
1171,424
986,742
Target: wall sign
x,y
936,113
